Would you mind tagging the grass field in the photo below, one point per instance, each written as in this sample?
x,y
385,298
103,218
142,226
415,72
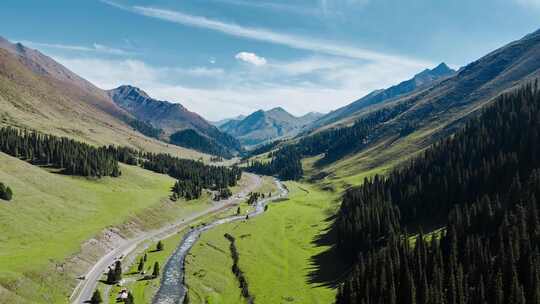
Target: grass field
x,y
276,253
144,290
51,215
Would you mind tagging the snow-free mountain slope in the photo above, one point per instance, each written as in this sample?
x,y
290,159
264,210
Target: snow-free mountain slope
x,y
262,126
419,81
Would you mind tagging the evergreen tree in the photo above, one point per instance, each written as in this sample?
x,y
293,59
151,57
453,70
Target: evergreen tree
x,y
5,192
111,276
9,194
96,297
117,271
159,246
140,267
155,271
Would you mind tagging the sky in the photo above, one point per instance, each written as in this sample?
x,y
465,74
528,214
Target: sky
x,y
222,58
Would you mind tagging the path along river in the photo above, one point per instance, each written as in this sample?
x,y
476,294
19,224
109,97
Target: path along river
x,y
173,289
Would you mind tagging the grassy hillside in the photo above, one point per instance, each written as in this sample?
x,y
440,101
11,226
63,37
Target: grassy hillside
x,y
51,215
277,251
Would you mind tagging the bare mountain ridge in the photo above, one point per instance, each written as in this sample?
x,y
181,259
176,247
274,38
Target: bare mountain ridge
x,y
421,80
170,117
263,126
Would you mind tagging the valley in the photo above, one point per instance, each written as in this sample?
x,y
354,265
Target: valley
x,y
423,191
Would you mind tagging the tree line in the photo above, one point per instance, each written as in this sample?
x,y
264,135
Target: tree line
x,y
286,164
238,273
72,157
193,176
145,128
190,138
77,158
482,185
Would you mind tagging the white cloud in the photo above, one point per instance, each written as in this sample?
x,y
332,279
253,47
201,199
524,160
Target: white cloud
x,y
309,84
94,48
293,41
251,58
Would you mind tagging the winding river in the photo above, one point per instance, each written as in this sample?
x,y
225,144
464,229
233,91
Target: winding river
x,y
172,289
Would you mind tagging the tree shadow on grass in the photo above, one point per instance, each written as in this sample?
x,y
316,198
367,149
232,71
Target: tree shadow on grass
x,y
328,268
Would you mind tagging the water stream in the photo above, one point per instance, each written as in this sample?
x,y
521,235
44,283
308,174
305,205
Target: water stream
x,y
172,289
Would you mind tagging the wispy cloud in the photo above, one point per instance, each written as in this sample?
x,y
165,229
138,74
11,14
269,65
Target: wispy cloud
x,y
266,35
324,82
94,48
282,7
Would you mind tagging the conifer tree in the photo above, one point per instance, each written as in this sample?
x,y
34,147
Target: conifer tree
x,y
96,297
140,267
159,246
155,271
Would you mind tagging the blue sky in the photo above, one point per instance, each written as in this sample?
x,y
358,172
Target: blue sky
x,y
221,58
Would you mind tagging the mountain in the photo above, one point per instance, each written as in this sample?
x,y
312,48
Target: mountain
x,y
389,133
43,65
262,126
38,93
410,123
172,118
442,107
420,80
226,120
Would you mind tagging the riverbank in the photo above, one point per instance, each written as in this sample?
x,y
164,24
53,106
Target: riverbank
x,y
278,253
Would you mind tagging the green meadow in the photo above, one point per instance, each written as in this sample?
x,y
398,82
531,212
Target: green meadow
x,y
51,215
276,253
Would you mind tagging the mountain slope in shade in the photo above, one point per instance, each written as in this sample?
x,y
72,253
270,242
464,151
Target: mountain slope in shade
x,y
420,80
170,117
38,93
262,126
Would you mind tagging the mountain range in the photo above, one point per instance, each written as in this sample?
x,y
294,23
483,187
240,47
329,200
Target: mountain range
x,y
174,120
420,80
409,122
36,92
263,126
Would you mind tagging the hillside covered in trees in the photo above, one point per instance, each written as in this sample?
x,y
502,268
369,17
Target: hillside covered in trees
x,y
193,176
75,158
72,157
482,187
191,139
285,164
